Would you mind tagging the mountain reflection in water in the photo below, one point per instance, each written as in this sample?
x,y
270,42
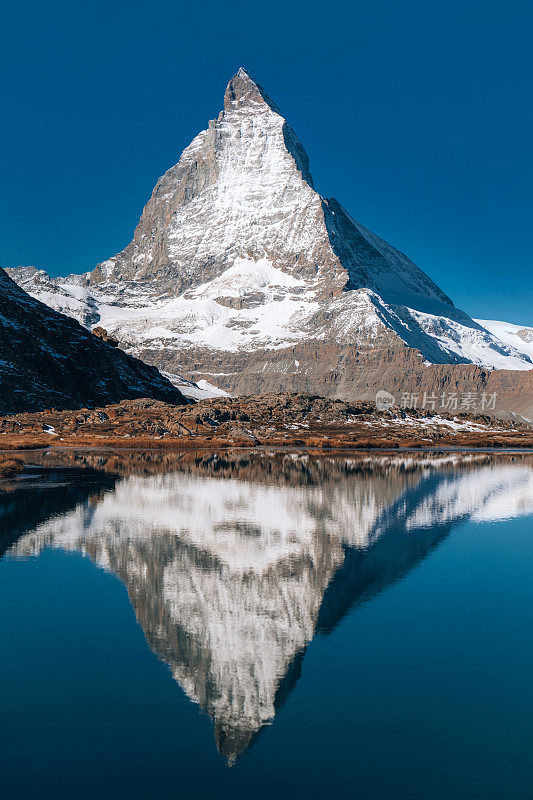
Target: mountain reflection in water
x,y
234,564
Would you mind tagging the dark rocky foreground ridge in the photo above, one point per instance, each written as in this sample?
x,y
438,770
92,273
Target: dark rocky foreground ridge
x,y
272,420
48,360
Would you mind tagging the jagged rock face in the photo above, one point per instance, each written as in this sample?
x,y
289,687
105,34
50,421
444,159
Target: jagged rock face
x,y
237,192
242,190
237,256
526,334
48,360
231,579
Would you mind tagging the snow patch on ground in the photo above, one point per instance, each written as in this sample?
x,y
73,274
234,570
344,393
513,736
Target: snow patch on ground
x,y
202,390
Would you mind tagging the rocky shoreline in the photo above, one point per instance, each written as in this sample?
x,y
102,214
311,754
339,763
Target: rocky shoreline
x,y
270,420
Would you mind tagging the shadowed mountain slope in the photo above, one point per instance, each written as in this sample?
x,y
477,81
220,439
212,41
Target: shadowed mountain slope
x,y
50,360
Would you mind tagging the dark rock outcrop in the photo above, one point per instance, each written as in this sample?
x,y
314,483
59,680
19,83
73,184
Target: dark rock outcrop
x,y
102,334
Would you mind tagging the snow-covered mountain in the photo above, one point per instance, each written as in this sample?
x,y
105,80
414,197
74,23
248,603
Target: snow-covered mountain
x,y
231,579
236,255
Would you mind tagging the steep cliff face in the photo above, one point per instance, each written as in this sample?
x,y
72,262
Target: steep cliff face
x,y
242,192
231,579
237,257
49,360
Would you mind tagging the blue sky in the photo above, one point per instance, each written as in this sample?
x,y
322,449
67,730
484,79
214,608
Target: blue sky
x,y
417,116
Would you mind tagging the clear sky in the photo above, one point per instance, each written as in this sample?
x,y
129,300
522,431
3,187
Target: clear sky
x,y
417,116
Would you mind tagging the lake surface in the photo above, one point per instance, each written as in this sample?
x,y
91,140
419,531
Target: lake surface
x,y
267,626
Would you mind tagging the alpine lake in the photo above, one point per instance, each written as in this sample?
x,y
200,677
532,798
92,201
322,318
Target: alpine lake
x,y
267,624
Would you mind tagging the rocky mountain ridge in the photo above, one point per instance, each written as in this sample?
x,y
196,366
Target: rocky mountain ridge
x,y
48,360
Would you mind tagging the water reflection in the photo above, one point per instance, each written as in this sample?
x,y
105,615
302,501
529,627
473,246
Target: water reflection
x,y
234,564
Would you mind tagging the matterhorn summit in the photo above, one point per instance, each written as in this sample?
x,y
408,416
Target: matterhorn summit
x,y
241,274
241,197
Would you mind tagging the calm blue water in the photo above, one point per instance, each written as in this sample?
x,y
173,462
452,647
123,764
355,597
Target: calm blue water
x,y
362,633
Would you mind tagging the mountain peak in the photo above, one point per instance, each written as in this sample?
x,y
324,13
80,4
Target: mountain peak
x,y
243,89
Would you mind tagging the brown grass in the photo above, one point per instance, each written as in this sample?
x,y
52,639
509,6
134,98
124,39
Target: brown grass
x,y
9,467
18,443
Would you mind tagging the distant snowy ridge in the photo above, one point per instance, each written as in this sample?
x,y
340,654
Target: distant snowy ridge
x,y
520,337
